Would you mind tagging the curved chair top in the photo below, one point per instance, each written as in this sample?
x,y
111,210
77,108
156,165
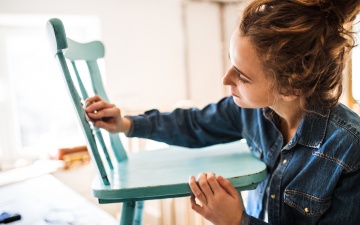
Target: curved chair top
x,y
56,35
84,51
77,51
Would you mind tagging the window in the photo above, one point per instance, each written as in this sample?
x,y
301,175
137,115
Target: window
x,y
37,116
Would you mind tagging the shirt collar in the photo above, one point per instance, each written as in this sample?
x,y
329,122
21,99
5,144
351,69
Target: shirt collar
x,y
311,130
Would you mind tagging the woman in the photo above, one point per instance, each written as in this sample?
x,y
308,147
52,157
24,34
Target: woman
x,y
287,60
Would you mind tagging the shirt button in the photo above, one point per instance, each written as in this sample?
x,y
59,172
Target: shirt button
x,y
273,196
307,210
285,161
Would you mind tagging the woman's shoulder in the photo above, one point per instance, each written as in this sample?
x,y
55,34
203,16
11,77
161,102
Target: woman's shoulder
x,y
342,138
344,118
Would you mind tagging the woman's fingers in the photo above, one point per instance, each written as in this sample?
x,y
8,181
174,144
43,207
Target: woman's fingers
x,y
97,106
196,207
104,112
228,187
204,185
213,183
198,193
220,205
89,101
106,115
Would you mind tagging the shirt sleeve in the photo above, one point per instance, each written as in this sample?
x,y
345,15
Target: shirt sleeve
x,y
216,123
249,220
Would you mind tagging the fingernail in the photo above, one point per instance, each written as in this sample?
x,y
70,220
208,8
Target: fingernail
x,y
220,178
190,177
198,176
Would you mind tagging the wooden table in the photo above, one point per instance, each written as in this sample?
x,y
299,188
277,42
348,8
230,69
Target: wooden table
x,y
45,200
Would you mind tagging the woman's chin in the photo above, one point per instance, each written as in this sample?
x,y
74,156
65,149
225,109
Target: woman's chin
x,y
238,102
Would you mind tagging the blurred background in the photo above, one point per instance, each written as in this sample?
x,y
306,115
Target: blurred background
x,y
159,54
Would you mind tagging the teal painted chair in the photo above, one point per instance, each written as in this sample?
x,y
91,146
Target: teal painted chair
x,y
131,178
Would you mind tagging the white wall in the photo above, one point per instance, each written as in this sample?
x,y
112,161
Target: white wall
x,y
158,52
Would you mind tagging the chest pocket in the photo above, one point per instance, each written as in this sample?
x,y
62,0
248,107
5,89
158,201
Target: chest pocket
x,y
306,204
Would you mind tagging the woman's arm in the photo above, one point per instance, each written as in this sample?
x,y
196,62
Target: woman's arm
x,y
215,123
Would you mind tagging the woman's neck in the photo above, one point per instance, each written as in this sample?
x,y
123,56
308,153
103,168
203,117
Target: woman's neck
x,y
290,114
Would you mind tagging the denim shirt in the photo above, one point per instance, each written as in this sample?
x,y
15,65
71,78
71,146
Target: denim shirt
x,y
313,179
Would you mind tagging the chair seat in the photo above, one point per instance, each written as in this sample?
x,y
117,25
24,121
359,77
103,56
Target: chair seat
x,y
164,173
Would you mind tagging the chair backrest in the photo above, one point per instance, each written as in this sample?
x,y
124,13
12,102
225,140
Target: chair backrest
x,y
68,52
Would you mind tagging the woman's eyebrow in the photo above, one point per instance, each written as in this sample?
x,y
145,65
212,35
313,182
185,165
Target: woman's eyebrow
x,y
239,71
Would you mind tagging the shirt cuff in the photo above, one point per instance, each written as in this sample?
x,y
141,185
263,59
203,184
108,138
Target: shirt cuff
x,y
140,127
245,219
131,130
249,220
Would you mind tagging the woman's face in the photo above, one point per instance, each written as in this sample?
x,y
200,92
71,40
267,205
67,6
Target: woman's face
x,y
246,78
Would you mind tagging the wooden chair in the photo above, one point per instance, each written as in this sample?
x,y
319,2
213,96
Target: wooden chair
x,y
157,174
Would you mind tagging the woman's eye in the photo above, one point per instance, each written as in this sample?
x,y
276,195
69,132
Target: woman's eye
x,y
241,78
243,81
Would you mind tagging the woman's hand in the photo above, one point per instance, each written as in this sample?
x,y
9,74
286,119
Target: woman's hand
x,y
220,203
105,115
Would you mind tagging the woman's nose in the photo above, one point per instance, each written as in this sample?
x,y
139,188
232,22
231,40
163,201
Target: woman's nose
x,y
227,78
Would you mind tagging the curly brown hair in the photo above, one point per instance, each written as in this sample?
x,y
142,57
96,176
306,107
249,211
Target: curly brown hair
x,y
303,45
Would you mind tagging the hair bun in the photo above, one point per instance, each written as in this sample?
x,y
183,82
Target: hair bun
x,y
344,10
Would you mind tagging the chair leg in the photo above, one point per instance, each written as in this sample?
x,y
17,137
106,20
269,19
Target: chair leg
x,y
138,213
127,213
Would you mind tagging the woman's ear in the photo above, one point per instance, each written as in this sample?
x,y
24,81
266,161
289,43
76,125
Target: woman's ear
x,y
289,98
